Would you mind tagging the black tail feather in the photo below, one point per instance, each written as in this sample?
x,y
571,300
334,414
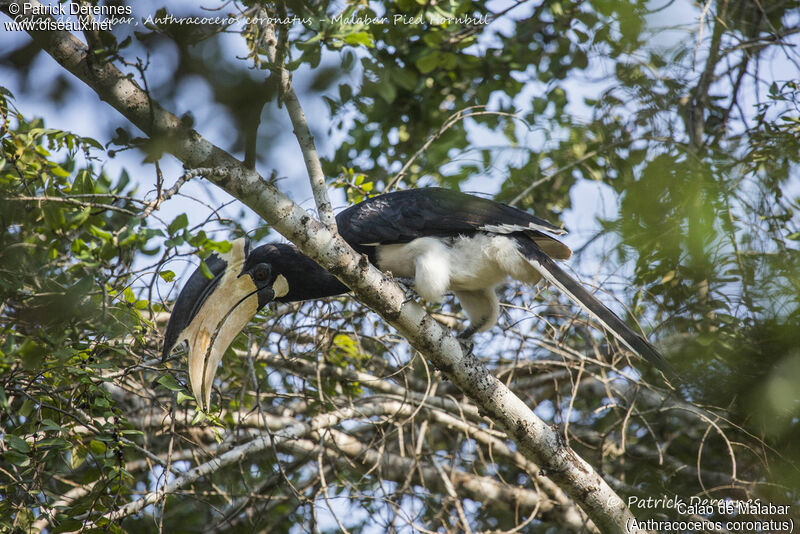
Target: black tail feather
x,y
575,291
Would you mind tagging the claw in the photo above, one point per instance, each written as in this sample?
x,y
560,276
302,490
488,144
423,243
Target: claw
x,y
407,285
467,333
466,345
465,339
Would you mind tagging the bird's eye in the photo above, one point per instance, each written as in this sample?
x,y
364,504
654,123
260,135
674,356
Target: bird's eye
x,y
261,272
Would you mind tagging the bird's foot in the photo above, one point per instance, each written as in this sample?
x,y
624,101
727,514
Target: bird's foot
x,y
466,345
406,284
467,333
465,340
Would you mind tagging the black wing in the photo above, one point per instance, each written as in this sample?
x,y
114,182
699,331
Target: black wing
x,y
402,216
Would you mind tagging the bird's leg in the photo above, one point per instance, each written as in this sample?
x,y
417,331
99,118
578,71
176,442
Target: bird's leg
x,y
465,339
468,332
466,345
406,284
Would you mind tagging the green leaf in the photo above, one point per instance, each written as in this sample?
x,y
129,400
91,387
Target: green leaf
x,y
773,89
345,343
26,408
92,143
97,447
58,171
130,298
180,222
359,38
582,36
428,63
387,90
70,525
168,381
433,38
80,217
100,233
49,424
205,270
78,456
199,416
33,354
405,78
167,275
16,458
219,246
52,443
17,443
54,217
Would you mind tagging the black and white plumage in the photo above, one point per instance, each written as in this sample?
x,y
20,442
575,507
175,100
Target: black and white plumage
x,y
446,241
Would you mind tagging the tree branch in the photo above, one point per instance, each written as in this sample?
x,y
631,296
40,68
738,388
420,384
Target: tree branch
x,y
696,109
301,131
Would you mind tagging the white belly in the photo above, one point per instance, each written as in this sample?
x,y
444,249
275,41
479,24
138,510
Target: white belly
x,y
439,265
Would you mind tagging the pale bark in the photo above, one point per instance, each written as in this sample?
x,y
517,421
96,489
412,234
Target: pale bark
x,y
301,131
318,435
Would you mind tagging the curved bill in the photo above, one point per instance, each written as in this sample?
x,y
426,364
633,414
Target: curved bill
x,y
208,314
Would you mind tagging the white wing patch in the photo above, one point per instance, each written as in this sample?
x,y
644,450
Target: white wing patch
x,y
511,228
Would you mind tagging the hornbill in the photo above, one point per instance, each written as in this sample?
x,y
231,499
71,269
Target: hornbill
x,y
446,241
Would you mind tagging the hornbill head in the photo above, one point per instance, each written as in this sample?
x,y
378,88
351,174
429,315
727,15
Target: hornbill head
x,y
209,312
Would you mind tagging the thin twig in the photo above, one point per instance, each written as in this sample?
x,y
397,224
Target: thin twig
x,y
303,134
72,202
172,191
449,123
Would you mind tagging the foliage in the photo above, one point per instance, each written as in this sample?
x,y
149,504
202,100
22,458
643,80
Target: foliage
x,y
698,140
69,319
71,322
